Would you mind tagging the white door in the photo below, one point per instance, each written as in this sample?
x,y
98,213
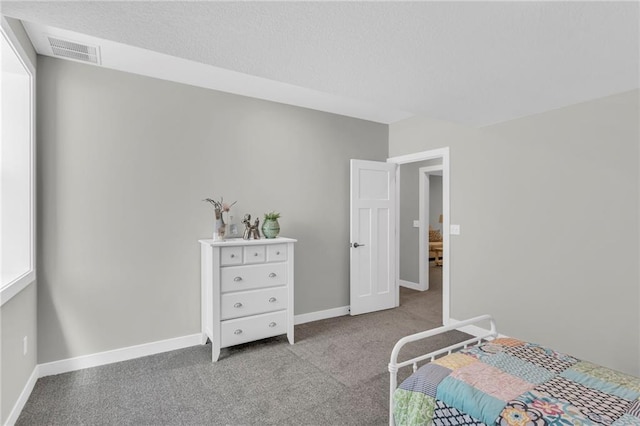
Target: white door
x,y
373,249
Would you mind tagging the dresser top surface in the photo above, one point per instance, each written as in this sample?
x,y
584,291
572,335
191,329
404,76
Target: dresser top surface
x,y
242,242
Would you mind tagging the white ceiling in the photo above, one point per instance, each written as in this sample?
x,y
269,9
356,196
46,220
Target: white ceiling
x,y
475,63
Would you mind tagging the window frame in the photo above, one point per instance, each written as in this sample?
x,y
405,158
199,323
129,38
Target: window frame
x,y
14,287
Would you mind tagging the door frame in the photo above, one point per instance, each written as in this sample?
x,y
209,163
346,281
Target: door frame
x,y
433,154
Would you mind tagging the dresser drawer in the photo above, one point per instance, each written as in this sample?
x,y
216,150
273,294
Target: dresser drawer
x,y
242,330
254,254
244,303
230,256
238,278
277,253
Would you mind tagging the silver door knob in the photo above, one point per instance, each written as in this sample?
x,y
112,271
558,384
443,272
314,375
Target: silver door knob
x,y
272,275
272,299
356,245
273,324
238,305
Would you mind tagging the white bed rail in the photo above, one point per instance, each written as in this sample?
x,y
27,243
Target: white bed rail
x,y
394,365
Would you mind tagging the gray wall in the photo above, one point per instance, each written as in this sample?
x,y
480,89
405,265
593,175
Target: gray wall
x,y
548,208
18,316
124,163
18,319
435,201
409,236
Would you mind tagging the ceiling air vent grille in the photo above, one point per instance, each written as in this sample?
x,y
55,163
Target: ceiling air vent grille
x,y
72,50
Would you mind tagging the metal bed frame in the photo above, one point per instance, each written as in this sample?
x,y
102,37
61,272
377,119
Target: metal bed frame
x,y
394,365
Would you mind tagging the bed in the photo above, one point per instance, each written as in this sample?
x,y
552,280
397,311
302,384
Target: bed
x,y
490,379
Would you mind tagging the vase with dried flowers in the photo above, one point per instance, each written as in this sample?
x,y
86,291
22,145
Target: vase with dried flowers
x,y
220,207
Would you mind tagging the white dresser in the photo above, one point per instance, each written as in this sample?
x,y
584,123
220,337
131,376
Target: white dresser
x,y
247,290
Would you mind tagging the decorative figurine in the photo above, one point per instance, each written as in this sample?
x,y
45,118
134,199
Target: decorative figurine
x,y
247,226
255,229
251,230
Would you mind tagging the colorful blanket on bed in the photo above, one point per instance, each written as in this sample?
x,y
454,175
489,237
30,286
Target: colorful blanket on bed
x,y
510,382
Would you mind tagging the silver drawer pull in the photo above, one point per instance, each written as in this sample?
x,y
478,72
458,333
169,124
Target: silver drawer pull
x,y
278,253
238,305
236,279
272,299
272,275
255,254
272,324
238,331
232,256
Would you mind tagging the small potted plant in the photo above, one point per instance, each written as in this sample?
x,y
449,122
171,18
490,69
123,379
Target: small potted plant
x,y
270,226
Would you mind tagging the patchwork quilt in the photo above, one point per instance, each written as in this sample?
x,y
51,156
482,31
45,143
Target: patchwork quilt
x,y
511,382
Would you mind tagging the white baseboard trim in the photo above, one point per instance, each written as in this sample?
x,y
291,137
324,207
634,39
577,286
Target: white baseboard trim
x,y
137,351
23,398
117,355
320,315
473,330
411,285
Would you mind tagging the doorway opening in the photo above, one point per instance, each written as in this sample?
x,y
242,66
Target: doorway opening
x,y
430,225
412,224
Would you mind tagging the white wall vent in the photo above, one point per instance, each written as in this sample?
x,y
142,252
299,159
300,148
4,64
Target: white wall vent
x,y
72,50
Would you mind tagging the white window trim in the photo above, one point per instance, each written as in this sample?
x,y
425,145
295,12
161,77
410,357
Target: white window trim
x,y
20,283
